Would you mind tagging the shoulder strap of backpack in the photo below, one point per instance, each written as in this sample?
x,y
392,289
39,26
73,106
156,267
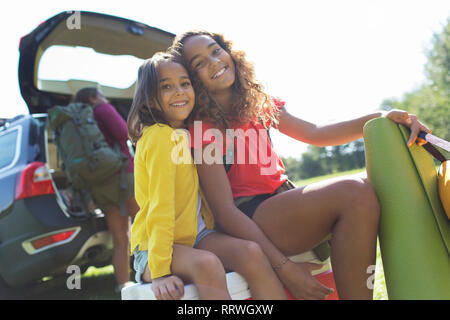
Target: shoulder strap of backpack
x,y
87,148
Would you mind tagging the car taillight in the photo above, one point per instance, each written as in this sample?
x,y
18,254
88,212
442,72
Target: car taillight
x,y
51,239
35,180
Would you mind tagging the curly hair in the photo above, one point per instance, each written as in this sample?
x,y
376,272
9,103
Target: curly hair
x,y
250,103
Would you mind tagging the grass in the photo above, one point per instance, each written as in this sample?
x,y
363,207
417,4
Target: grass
x,y
329,176
95,284
99,283
379,290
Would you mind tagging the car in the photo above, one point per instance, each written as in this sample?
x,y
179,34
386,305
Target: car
x,y
42,230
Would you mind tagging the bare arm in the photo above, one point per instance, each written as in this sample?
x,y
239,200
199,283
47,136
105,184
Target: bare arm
x,y
216,186
295,276
344,131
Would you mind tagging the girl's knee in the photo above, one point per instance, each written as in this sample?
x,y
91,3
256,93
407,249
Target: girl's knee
x,y
207,264
252,249
249,254
369,198
362,199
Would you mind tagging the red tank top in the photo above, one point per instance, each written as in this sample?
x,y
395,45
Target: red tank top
x,y
256,169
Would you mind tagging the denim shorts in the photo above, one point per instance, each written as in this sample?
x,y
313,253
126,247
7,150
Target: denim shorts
x,y
141,256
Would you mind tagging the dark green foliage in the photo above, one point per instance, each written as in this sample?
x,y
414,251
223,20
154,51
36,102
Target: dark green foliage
x,y
320,161
431,101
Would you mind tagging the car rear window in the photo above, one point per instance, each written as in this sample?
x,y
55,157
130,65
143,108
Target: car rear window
x,y
64,63
8,146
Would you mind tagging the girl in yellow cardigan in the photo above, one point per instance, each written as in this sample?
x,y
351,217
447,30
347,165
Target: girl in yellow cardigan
x,y
172,236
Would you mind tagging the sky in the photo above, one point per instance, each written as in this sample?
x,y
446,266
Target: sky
x,y
329,60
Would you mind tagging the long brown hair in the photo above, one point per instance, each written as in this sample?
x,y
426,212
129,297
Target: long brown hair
x,y
143,111
250,102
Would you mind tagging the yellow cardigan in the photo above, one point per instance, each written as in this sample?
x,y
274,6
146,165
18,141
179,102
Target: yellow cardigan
x,y
167,195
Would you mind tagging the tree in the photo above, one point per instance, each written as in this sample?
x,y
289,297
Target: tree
x,y
437,68
431,101
320,161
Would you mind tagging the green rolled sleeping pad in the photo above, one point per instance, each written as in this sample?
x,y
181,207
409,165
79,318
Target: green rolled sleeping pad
x,y
414,231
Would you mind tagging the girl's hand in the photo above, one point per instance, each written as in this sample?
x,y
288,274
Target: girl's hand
x,y
301,284
168,288
411,121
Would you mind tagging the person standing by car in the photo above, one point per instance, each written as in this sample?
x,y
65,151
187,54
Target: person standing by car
x,y
106,196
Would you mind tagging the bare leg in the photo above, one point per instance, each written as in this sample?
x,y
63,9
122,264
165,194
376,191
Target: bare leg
x,y
200,267
132,207
247,259
299,219
119,226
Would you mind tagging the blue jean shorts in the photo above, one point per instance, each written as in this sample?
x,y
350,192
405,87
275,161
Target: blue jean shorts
x,y
141,256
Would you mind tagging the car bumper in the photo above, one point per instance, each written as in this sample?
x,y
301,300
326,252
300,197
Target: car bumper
x,y
34,218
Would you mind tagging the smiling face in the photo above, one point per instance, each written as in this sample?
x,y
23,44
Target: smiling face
x,y
176,94
210,62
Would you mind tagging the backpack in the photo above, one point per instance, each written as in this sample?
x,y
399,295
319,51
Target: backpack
x,y
87,158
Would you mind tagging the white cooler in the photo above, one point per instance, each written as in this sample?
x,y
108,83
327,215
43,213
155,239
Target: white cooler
x,y
237,286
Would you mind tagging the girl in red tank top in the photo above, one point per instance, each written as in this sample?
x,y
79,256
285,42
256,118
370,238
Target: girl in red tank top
x,y
228,98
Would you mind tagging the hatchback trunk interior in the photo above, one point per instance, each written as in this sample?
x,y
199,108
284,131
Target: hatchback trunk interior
x,y
106,36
